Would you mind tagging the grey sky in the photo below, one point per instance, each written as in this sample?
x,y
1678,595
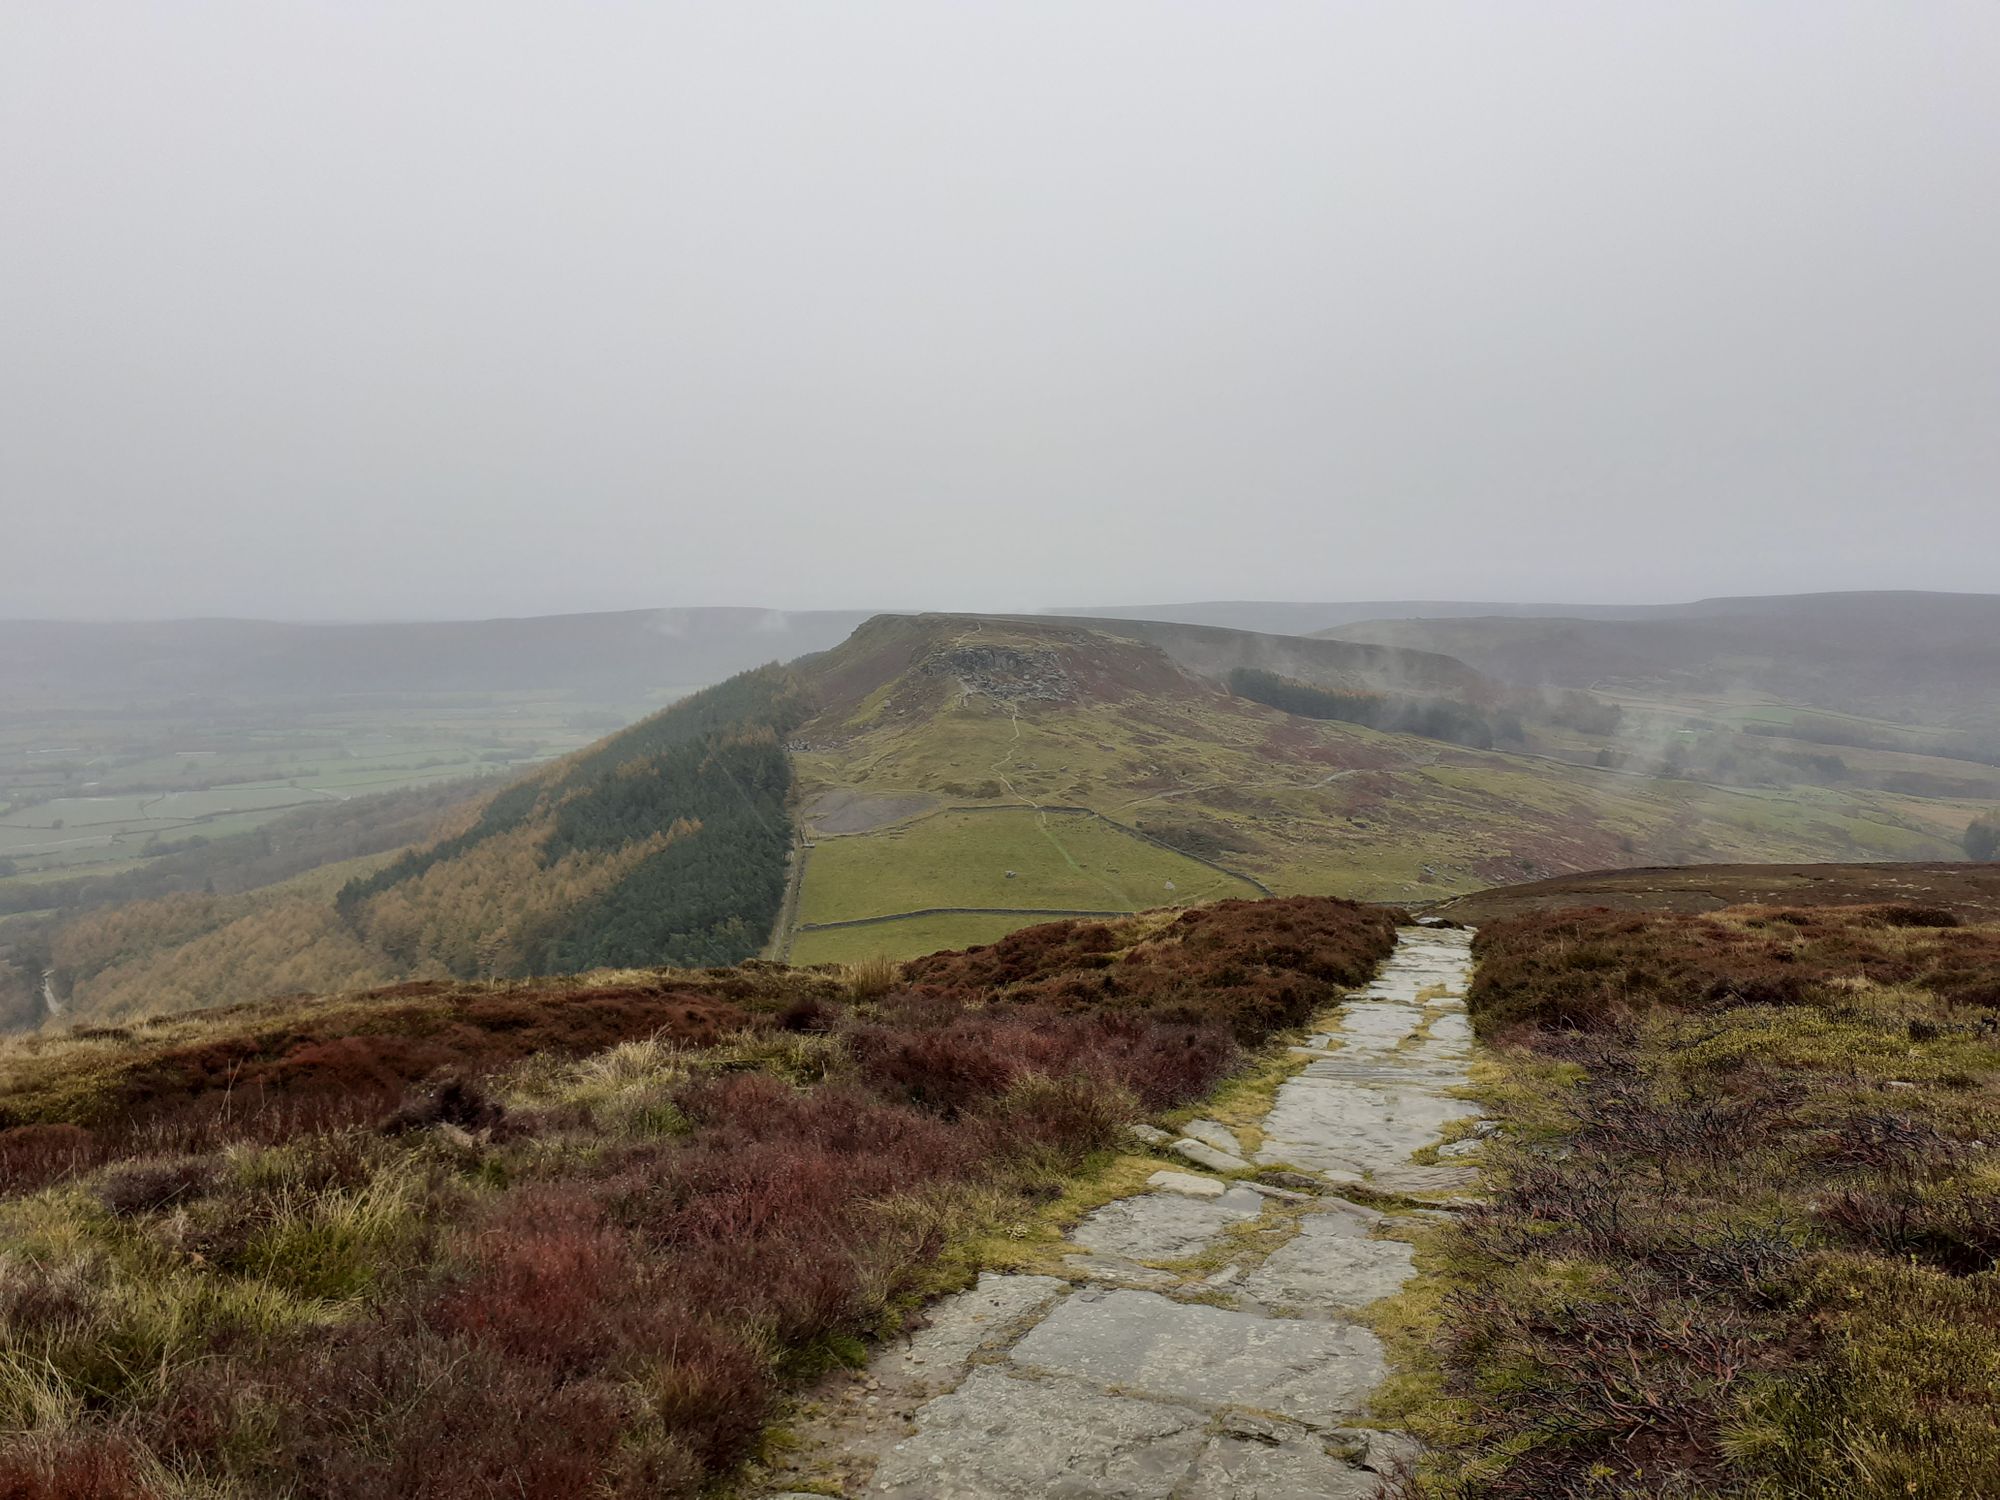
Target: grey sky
x,y
351,309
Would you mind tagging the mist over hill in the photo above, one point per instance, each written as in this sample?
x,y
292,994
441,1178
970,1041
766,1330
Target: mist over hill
x,y
622,655
1274,617
1917,657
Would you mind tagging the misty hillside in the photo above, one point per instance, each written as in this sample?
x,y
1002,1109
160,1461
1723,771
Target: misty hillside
x,y
1216,651
1274,617
1917,657
962,773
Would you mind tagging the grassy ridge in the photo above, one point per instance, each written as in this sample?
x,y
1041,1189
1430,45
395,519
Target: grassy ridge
x,y
494,1240
1747,1215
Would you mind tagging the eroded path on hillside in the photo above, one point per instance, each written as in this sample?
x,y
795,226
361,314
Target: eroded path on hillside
x,y
1207,1340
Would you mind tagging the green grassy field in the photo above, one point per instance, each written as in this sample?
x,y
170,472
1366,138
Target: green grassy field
x,y
962,858
908,938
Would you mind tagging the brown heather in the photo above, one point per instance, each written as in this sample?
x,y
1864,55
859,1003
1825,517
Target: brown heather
x,y
563,1240
1745,1224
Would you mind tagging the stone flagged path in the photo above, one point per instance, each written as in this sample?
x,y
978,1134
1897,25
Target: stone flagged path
x,y
1182,1357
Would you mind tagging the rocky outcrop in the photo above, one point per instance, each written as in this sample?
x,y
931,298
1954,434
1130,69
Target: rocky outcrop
x,y
1008,673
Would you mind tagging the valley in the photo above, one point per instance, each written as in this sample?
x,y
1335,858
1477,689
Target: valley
x,y
936,781
605,894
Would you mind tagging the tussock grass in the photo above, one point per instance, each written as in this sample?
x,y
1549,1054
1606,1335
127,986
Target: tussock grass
x,y
870,978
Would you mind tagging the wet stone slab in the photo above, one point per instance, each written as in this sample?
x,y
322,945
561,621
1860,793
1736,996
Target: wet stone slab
x,y
1204,1155
1210,1133
1164,1225
1001,1436
1329,1265
1298,1468
1378,1028
1151,1346
1346,1124
959,1325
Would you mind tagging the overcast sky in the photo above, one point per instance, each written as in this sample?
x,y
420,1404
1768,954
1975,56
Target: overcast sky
x,y
411,310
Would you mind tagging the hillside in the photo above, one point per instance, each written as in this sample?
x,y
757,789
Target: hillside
x,y
34,914
1910,659
1211,651
120,743
949,751
938,780
665,842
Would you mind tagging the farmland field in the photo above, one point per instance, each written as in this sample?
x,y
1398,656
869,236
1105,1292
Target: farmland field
x,y
962,858
911,937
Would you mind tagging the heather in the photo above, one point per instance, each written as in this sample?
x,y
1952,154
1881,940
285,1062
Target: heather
x,y
1744,1220
572,1239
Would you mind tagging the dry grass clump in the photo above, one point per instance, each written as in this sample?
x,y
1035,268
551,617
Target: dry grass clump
x,y
1743,1240
871,978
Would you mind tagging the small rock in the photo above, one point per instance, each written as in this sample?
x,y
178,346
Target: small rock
x,y
1211,1133
1298,1182
1151,1135
1116,1270
1391,1452
1188,1183
1283,1195
1204,1155
1458,1149
1260,1429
